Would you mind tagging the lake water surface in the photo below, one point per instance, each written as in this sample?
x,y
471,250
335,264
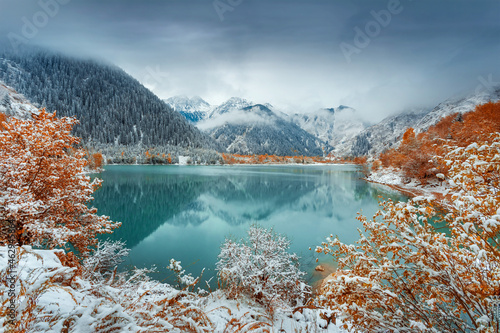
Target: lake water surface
x,y
185,212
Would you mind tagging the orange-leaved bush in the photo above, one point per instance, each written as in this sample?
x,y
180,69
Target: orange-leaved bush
x,y
408,274
415,155
44,190
95,161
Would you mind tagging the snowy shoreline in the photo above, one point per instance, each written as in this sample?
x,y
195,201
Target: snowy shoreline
x,y
394,179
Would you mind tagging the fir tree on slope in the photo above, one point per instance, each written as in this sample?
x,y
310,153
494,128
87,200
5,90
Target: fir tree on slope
x,y
112,107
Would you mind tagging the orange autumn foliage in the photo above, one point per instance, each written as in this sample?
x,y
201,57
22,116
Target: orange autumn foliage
x,y
405,274
95,161
98,160
415,155
275,159
45,193
3,119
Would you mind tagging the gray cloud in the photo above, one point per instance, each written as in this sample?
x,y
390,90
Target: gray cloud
x,y
284,52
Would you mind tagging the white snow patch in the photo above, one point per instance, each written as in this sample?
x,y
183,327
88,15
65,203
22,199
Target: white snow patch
x,y
183,160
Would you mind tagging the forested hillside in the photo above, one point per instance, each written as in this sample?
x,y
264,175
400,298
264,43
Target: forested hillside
x,y
112,107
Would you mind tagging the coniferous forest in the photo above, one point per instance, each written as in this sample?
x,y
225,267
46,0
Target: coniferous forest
x,y
113,108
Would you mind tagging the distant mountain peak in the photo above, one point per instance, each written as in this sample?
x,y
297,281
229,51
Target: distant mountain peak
x,y
261,108
198,99
231,105
236,100
332,125
258,106
182,103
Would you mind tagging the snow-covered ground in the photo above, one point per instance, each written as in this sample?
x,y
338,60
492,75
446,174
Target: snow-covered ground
x,y
58,297
221,311
183,160
394,177
14,104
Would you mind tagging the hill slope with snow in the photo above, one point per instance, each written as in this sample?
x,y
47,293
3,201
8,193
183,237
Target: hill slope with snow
x,y
384,135
13,103
100,96
246,128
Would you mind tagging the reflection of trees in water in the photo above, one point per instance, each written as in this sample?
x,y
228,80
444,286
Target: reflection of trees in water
x,y
242,199
261,188
144,200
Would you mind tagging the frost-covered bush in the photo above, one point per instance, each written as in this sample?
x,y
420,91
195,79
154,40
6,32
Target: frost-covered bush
x,y
183,280
261,268
107,256
406,275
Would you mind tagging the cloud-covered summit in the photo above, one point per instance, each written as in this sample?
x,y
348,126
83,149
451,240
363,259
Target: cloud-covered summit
x,y
285,52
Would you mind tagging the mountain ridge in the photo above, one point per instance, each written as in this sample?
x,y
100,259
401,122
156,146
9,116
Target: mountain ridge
x,y
388,133
100,96
244,127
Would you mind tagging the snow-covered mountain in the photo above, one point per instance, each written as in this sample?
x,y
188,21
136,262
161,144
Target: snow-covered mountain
x,y
231,105
235,124
246,128
243,127
377,138
461,105
193,109
335,127
184,103
13,103
112,107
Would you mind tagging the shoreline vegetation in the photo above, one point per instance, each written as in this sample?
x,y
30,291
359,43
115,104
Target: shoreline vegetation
x,y
403,274
98,159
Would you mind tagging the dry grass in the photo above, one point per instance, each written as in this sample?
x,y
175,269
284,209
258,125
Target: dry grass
x,y
117,304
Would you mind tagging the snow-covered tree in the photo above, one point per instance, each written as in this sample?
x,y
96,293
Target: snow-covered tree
x,y
44,193
261,268
409,274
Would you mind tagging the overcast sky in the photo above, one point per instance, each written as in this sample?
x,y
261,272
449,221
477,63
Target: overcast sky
x,y
379,57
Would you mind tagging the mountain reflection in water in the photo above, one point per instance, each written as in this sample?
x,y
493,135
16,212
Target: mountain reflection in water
x,y
185,212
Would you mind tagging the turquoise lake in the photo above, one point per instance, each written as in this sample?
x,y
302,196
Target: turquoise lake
x,y
186,212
